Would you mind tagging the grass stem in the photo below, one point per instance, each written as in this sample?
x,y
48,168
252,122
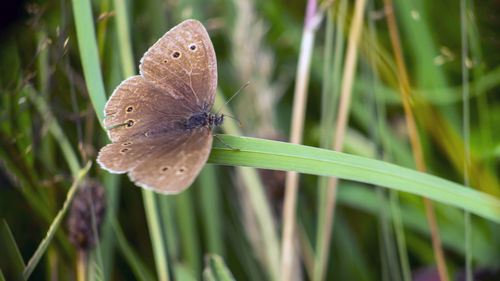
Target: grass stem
x,y
404,86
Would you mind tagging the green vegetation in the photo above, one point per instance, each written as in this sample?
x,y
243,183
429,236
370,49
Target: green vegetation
x,y
60,61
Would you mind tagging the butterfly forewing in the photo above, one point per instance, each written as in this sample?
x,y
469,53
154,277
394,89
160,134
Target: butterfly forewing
x,y
183,63
137,107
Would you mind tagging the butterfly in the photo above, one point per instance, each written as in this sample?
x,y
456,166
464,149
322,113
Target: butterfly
x,y
159,122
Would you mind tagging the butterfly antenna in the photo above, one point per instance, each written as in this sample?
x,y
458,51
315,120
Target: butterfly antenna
x,y
237,92
234,118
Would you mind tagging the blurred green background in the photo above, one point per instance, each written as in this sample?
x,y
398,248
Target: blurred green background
x,y
49,130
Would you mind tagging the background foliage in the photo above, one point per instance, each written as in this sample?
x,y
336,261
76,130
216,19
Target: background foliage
x,y
52,78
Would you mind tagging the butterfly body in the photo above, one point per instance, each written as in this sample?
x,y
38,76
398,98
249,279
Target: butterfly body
x,y
159,122
203,119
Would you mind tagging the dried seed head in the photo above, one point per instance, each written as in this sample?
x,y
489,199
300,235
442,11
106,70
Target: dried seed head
x,y
89,202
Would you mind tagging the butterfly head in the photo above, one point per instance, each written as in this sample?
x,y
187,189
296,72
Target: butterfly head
x,y
215,119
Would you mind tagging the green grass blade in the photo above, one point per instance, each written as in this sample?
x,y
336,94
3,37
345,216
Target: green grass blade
x,y
10,252
183,273
33,262
354,261
136,265
330,96
216,269
260,205
363,198
210,201
124,41
155,233
188,231
55,129
399,233
89,55
169,225
111,184
149,197
466,132
310,160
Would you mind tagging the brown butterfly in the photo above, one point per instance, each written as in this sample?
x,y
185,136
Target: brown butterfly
x,y
159,122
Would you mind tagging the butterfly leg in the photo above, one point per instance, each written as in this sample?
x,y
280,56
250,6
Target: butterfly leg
x,y
225,144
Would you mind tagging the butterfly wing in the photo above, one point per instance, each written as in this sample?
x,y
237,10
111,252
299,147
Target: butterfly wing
x,y
183,64
175,164
122,157
167,164
137,109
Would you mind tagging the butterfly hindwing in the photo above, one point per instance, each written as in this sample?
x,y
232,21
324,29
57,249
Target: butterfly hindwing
x,y
175,164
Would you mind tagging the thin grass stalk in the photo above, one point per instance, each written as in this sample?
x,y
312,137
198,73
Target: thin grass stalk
x,y
327,122
388,147
27,185
395,208
466,132
102,28
188,230
38,200
168,212
248,262
450,141
55,129
327,97
307,251
266,223
149,197
156,234
342,119
321,250
386,238
110,182
384,267
216,269
43,62
141,272
338,57
397,221
476,58
33,262
210,197
377,126
122,27
44,73
158,17
96,260
297,128
259,203
352,251
89,55
81,265
404,85
393,240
